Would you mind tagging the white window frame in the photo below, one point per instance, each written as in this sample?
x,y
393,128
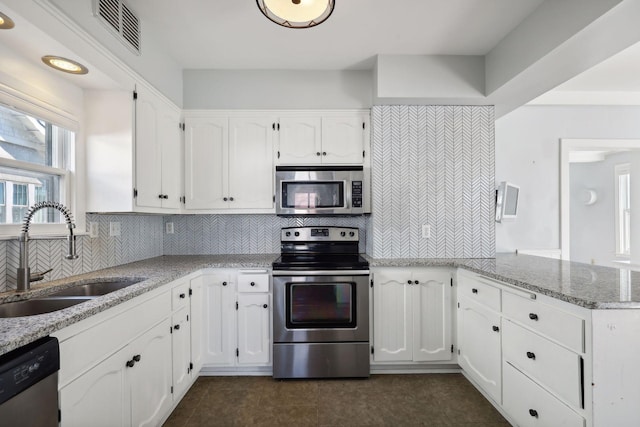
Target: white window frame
x,y
619,170
29,105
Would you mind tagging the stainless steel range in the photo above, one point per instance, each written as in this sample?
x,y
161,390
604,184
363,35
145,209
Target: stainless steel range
x,y
320,305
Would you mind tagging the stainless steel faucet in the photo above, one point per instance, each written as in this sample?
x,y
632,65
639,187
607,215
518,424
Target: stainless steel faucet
x,y
24,272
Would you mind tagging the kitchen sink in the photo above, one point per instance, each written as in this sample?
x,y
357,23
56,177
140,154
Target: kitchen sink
x,y
96,288
35,306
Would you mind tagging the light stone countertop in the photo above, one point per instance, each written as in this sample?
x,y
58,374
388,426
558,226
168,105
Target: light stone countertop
x,y
585,285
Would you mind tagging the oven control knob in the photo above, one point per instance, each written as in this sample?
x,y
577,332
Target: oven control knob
x,y
351,233
342,233
288,233
297,233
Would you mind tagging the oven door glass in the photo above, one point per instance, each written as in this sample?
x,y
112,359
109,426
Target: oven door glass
x,y
313,194
321,305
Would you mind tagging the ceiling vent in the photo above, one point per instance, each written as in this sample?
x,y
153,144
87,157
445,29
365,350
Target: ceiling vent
x,y
121,20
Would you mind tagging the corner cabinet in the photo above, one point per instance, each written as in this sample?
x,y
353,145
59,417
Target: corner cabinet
x,y
237,327
229,163
412,314
134,152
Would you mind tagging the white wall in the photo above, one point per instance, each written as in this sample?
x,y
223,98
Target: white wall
x,y
528,154
277,89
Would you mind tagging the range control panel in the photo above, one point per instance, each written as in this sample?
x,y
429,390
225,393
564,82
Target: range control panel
x,y
320,234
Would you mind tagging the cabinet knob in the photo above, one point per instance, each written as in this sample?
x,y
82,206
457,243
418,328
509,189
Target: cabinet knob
x,y
225,199
265,306
176,327
159,196
231,199
409,282
224,283
130,363
495,329
533,316
531,355
474,291
416,282
324,153
165,196
318,153
182,295
533,413
253,283
136,358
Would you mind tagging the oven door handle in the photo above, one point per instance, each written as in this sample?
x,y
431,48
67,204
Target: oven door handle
x,y
321,273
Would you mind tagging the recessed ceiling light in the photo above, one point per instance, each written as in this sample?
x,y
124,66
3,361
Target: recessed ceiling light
x,y
6,23
297,13
64,64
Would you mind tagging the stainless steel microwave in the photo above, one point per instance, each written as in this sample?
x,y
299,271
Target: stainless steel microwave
x,y
319,190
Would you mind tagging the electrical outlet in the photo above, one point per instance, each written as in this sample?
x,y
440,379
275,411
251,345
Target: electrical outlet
x,y
114,229
426,231
94,230
169,228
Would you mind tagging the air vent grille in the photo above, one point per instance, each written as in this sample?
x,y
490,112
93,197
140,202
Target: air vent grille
x,y
121,20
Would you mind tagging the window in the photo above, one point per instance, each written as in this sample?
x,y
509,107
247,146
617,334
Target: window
x,y
35,159
623,209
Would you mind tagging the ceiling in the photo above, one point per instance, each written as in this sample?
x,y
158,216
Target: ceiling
x,y
205,34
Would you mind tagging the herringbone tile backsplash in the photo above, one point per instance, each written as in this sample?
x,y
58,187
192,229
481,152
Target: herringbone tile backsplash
x,y
432,165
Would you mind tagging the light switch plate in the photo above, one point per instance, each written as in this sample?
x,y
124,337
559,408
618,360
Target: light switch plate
x,y
169,228
426,231
114,229
94,230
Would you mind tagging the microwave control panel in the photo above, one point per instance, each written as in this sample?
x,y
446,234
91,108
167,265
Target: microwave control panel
x,y
356,194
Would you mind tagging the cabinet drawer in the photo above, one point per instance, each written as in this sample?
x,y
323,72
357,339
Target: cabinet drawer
x,y
253,281
530,405
480,292
559,325
553,366
180,296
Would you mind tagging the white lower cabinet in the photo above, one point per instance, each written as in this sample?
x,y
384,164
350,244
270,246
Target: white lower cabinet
x,y
479,346
131,387
237,318
411,315
129,365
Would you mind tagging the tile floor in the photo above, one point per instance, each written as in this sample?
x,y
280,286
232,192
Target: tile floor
x,y
382,400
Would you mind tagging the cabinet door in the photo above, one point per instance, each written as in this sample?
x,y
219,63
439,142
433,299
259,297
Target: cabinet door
x,y
181,350
300,140
197,311
431,297
206,163
254,337
343,139
219,296
150,377
170,140
148,157
479,341
392,318
99,397
251,171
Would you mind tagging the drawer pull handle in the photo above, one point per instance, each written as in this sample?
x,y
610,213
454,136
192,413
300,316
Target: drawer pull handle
x,y
253,283
531,355
474,290
533,316
224,283
182,295
533,413
495,329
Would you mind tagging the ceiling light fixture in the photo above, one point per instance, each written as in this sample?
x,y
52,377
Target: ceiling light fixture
x,y
64,64
6,23
297,13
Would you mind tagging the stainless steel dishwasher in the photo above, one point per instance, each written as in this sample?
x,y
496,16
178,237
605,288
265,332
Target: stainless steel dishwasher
x,y
29,385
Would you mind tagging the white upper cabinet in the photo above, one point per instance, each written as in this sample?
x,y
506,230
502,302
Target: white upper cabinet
x,y
133,151
229,163
336,138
